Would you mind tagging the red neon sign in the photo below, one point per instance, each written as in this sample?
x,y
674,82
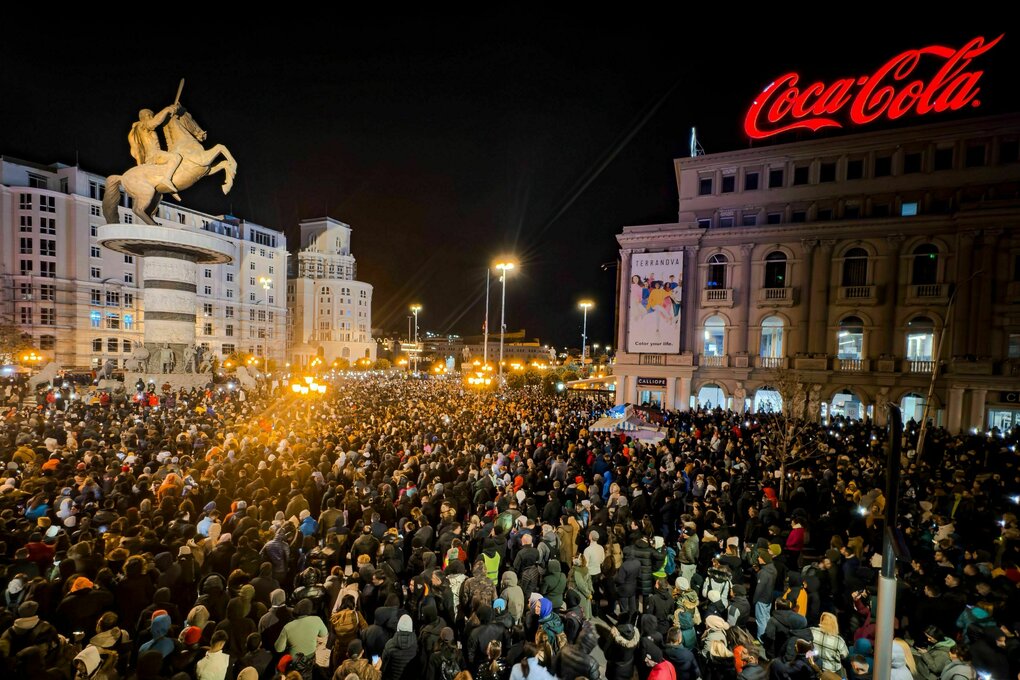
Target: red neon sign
x,y
888,92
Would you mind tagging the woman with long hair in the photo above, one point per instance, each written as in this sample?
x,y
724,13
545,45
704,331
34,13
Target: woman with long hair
x,y
831,647
493,667
531,666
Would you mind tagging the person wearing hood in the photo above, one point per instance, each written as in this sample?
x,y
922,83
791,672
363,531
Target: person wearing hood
x,y
273,621
216,662
621,649
513,595
301,635
90,665
213,596
82,606
649,646
237,626
932,656
549,621
903,667
554,585
481,635
987,656
159,628
113,644
477,589
264,584
626,581
399,653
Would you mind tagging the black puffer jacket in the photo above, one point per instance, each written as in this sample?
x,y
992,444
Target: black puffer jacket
x,y
623,642
398,657
645,554
572,662
628,575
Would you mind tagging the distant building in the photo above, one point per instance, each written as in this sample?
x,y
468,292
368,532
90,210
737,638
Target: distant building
x,y
836,259
330,311
517,347
84,305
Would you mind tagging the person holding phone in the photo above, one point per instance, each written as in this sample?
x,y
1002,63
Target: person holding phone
x,y
357,663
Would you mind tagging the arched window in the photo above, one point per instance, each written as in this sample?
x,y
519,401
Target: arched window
x,y
771,338
715,337
768,400
912,405
324,291
925,270
775,270
850,339
716,271
920,339
855,267
712,396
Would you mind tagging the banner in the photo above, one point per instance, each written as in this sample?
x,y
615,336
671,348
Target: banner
x,y
653,303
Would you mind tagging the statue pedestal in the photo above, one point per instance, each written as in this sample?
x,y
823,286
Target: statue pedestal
x,y
170,259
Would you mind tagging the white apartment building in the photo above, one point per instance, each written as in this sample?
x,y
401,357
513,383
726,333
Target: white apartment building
x,y
837,259
330,311
84,304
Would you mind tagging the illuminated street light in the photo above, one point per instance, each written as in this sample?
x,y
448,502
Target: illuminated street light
x,y
585,305
414,310
267,285
504,267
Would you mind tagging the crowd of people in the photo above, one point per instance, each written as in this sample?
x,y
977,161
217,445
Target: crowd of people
x,y
401,529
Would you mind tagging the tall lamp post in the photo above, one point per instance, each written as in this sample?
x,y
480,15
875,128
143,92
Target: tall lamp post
x,y
414,310
585,305
504,268
267,285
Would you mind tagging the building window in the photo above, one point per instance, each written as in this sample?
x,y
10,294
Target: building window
x,y
751,181
228,312
97,344
771,345
25,290
705,186
775,270
95,211
207,309
129,259
95,272
855,267
228,349
26,223
112,298
716,271
883,166
855,168
270,269
251,297
26,246
851,211
26,316
824,214
95,319
48,269
729,184
975,157
208,273
129,299
48,291
229,332
95,252
112,320
262,315
714,337
180,217
47,341
48,316
129,277
207,329
911,163
93,230
230,292
775,178
251,279
25,201
797,216
127,218
726,220
774,218
1013,351
208,290
704,222
880,210
26,267
47,225
800,174
47,247
908,209
125,345
943,159
925,267
920,339
749,220
850,338
112,344
129,322
230,277
827,172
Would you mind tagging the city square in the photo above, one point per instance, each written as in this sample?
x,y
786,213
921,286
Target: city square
x,y
570,412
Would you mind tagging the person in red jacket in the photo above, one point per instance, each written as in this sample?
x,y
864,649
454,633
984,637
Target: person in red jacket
x,y
662,671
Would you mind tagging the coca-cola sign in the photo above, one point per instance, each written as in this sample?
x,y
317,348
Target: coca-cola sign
x,y
890,92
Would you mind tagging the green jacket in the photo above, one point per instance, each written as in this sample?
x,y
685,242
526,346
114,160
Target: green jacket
x,y
931,663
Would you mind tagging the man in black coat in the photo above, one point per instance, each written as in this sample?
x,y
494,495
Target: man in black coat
x,y
627,581
573,662
684,663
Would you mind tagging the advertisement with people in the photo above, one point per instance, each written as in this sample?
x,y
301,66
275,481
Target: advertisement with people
x,y
653,307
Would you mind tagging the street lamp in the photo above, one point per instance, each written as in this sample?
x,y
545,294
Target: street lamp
x,y
585,305
414,310
267,285
504,268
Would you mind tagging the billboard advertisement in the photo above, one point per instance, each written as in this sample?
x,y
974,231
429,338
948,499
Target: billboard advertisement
x,y
653,302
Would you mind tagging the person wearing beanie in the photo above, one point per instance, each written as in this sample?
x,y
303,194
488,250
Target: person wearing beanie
x,y
81,608
301,635
399,653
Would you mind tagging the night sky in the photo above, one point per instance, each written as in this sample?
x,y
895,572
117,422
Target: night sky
x,y
445,143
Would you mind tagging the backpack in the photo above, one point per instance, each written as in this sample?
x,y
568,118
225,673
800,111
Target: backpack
x,y
670,567
448,668
531,580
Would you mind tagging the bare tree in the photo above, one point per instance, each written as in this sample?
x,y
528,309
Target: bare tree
x,y
13,341
790,437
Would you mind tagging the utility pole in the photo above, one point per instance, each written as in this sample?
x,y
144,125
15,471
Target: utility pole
x,y
886,608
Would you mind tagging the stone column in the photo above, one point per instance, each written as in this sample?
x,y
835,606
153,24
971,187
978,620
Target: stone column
x,y
983,288
820,268
684,398
961,314
743,329
170,306
803,330
622,389
623,309
954,410
886,332
977,408
691,299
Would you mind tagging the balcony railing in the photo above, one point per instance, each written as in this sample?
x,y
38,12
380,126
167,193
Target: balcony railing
x,y
652,360
920,366
771,362
713,362
717,297
927,293
850,365
776,297
858,294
